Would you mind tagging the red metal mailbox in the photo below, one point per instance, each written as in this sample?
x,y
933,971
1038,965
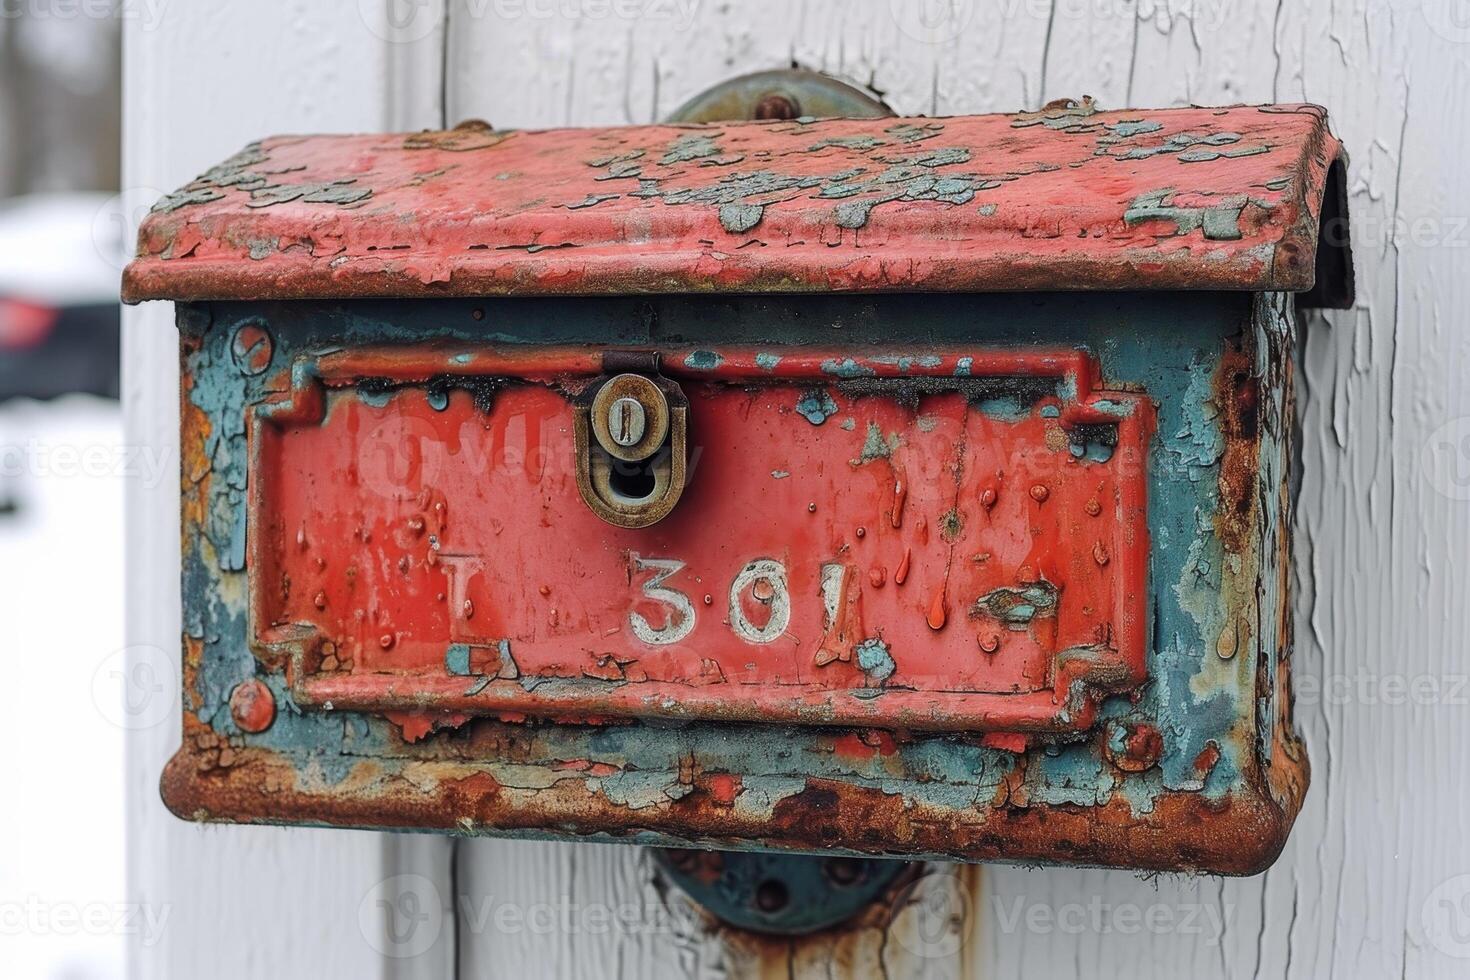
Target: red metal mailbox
x,y
897,487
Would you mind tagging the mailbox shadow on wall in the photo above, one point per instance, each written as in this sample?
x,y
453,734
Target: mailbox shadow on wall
x,y
888,487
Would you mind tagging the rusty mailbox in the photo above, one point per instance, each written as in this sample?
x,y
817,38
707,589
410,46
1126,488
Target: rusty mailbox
x,y
888,487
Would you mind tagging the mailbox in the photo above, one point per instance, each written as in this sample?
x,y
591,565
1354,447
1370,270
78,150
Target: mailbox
x,y
883,487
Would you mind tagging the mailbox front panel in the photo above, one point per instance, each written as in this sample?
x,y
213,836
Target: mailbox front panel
x,y
420,534
975,576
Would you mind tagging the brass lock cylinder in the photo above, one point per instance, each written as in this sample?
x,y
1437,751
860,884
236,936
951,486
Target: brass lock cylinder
x,y
631,449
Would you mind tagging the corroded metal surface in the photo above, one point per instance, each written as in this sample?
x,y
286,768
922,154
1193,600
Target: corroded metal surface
x,y
778,894
949,541
1063,198
311,432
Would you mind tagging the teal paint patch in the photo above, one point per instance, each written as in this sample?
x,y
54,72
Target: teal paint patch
x,y
767,361
1003,408
1071,774
874,659
1134,127
907,362
816,406
1018,607
457,659
742,217
703,360
846,368
638,790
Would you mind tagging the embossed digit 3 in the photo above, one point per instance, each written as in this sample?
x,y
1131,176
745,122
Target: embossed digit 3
x,y
672,631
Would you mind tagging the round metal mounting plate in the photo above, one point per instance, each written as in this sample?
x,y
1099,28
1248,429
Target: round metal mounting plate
x,y
780,894
787,93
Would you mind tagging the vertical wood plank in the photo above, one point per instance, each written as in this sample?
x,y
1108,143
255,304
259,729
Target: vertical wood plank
x,y
202,80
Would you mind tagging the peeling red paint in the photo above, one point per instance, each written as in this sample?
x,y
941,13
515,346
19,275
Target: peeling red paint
x,y
618,629
1065,199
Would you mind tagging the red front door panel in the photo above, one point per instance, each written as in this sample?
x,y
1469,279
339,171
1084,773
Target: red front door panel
x,y
953,541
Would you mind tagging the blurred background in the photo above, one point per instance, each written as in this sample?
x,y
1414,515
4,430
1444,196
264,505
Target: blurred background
x,y
62,471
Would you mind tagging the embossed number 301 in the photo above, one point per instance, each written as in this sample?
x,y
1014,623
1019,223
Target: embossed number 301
x,y
765,575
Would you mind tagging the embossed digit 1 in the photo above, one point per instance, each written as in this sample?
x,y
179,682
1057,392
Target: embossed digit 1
x,y
767,578
654,588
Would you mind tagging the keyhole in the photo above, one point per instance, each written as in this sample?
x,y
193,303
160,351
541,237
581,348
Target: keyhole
x,y
627,421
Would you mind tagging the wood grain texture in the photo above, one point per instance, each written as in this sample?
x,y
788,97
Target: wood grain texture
x,y
202,80
1382,551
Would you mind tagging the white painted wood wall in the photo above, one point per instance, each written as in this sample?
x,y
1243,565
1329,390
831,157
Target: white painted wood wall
x,y
1383,528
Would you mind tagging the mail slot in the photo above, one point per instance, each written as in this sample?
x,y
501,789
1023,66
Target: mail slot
x,y
888,487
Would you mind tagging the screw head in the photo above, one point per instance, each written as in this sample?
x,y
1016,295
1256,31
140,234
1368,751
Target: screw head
x,y
253,706
844,872
252,348
771,896
626,421
777,105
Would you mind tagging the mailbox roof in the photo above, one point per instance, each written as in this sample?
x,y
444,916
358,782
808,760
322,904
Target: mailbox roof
x,y
1064,198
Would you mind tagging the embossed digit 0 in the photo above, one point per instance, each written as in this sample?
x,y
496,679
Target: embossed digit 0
x,y
773,574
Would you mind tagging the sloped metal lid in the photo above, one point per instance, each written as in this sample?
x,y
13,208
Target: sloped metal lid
x,y
1069,198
